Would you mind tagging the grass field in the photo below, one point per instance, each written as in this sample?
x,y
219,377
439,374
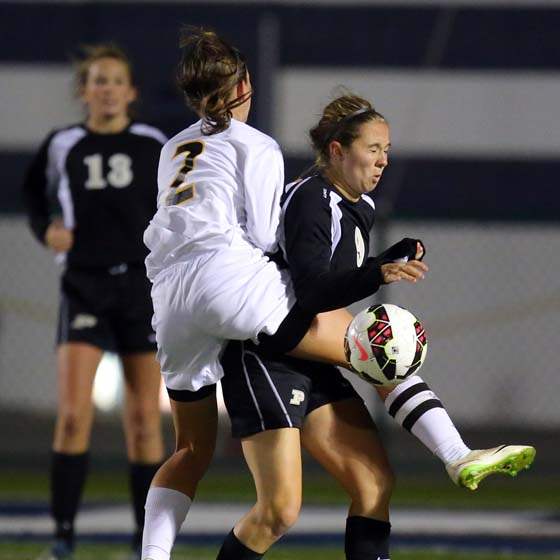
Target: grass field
x,y
16,551
528,491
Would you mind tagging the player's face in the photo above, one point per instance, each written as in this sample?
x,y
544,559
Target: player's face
x,y
108,91
362,164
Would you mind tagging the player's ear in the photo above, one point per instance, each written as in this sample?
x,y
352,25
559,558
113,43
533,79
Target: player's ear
x,y
133,95
240,91
243,87
335,150
81,93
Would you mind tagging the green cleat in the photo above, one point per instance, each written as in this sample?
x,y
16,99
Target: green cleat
x,y
480,463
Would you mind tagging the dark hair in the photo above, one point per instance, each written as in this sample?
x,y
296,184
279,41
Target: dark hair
x,y
341,121
208,71
93,53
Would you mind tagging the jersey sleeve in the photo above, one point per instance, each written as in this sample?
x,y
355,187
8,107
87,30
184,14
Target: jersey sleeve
x,y
263,185
36,191
307,248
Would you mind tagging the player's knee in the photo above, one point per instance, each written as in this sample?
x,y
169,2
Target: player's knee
x,y
194,459
71,424
279,517
144,424
376,491
386,484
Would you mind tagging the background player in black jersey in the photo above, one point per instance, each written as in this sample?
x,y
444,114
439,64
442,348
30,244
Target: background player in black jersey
x,y
278,403
90,193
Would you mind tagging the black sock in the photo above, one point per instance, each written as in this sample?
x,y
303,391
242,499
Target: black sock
x,y
68,475
140,478
234,549
366,538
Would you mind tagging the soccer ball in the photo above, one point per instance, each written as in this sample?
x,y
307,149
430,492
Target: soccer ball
x,y
385,344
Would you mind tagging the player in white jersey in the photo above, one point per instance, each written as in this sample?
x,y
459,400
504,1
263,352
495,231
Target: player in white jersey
x,y
220,183
218,213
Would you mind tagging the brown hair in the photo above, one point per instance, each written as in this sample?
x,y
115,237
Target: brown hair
x,y
341,121
93,53
208,71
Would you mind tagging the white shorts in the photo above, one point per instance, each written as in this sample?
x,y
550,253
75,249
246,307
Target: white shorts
x,y
233,294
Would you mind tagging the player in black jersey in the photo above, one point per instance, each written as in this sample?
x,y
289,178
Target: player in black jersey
x,y
278,404
90,193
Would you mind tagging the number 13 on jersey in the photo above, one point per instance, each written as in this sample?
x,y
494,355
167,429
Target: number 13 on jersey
x,y
181,191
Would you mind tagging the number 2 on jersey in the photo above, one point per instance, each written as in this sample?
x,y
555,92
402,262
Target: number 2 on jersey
x,y
181,191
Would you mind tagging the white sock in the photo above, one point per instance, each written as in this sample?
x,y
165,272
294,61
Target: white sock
x,y
417,409
166,510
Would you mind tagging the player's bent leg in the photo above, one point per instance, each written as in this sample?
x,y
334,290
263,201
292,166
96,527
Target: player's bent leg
x,y
174,485
76,363
196,425
274,459
469,471
324,340
142,427
415,407
343,438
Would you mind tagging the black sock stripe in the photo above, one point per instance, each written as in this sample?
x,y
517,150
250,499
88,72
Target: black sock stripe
x,y
405,395
411,419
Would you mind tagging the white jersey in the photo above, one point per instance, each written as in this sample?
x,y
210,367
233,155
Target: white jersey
x,y
215,191
218,213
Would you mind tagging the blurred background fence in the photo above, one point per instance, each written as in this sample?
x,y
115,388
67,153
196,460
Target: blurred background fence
x,y
471,91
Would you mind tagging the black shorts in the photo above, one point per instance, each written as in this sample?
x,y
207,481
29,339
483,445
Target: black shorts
x,y
182,395
110,308
266,392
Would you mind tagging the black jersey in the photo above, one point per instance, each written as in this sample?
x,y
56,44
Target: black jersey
x,y
105,187
325,241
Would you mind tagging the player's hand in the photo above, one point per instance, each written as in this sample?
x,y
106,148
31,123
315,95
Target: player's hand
x,y
58,238
411,271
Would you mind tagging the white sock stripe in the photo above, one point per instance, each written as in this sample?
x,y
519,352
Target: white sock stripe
x,y
248,380
400,388
273,387
412,403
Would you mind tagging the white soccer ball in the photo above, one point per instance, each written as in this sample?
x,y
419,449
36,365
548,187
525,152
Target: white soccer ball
x,y
385,344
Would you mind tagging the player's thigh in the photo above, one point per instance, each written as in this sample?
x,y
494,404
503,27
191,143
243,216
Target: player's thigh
x,y
343,438
324,340
274,459
77,363
189,356
142,379
239,293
